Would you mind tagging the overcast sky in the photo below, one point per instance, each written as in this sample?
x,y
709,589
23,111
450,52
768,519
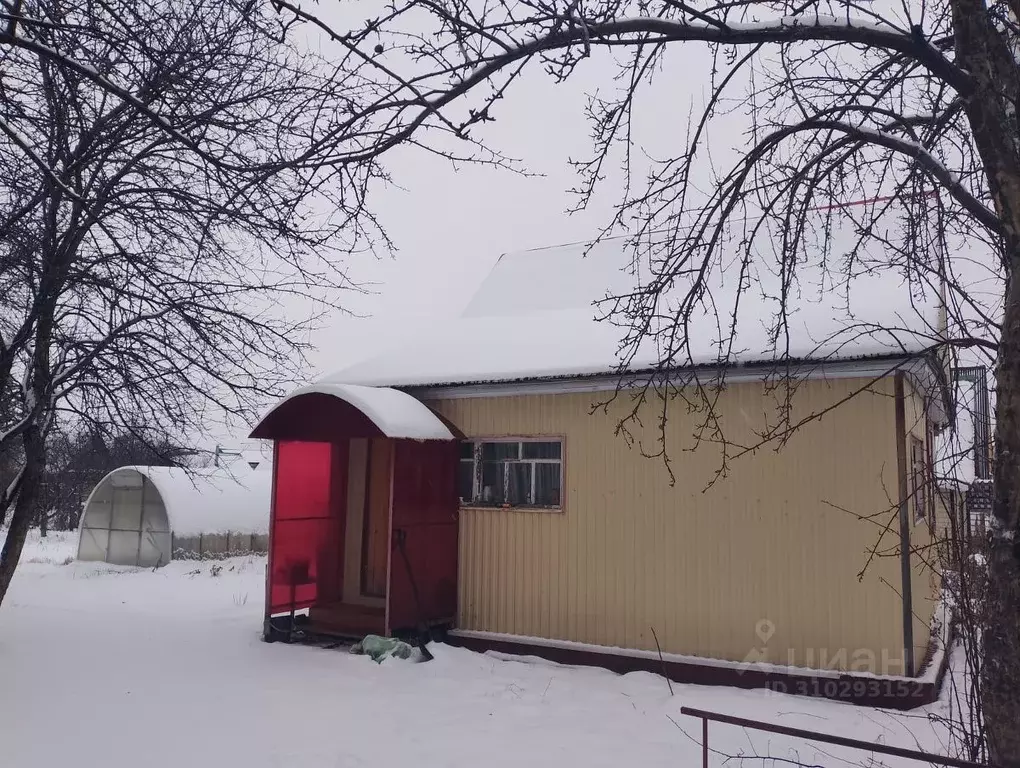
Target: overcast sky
x,y
450,225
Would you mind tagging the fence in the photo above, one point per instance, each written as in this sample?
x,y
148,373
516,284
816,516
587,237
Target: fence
x,y
801,733
211,546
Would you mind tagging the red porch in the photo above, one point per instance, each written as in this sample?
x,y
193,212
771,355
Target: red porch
x,y
363,526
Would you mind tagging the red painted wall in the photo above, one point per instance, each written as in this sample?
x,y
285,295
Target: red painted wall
x,y
425,516
307,524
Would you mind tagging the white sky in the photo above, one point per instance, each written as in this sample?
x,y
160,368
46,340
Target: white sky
x,y
452,224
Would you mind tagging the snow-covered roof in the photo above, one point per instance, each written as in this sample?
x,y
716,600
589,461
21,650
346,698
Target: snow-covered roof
x,y
395,413
954,447
200,501
535,317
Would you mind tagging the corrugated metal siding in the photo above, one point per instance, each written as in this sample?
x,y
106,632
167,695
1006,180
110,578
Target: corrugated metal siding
x,y
924,586
777,539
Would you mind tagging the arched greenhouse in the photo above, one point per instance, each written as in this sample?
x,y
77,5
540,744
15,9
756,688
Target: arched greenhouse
x,y
148,516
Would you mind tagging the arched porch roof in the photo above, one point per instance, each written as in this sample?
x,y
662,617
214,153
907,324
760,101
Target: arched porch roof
x,y
326,411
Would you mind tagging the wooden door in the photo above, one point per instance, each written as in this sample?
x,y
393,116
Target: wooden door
x,y
423,561
375,538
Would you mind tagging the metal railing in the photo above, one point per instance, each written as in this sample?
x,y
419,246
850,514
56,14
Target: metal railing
x,y
802,733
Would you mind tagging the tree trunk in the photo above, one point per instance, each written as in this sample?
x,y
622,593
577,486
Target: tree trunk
x,y
21,520
1001,634
984,52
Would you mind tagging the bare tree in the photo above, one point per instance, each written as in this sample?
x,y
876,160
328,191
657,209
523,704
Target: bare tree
x,y
165,205
77,459
894,122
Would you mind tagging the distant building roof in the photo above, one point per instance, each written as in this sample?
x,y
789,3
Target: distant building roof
x,y
536,316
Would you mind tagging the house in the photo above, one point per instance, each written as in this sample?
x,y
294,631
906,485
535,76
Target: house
x,y
963,473
477,477
148,516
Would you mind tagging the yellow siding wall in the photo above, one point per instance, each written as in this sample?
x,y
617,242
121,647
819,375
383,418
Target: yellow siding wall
x,y
777,539
923,537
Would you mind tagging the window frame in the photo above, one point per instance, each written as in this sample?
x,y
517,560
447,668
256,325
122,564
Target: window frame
x,y
476,479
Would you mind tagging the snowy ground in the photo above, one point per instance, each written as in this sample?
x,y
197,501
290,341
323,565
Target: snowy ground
x,y
124,667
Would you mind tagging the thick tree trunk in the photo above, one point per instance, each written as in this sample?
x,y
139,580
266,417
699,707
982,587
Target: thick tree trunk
x,y
986,53
21,520
1001,634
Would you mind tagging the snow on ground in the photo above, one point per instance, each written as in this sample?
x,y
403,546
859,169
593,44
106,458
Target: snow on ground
x,y
58,548
122,667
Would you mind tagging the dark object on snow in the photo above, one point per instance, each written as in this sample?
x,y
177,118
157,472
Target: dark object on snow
x,y
285,628
424,631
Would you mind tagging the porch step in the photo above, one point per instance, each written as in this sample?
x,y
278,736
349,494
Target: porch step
x,y
347,620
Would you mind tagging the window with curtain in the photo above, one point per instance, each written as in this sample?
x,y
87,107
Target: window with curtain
x,y
525,472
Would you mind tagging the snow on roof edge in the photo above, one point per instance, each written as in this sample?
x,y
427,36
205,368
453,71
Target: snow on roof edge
x,y
746,365
395,413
